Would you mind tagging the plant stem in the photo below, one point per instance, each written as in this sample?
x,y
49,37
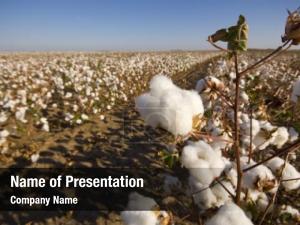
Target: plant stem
x,y
251,135
236,128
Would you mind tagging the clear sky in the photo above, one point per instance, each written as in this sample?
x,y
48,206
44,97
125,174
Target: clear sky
x,y
27,25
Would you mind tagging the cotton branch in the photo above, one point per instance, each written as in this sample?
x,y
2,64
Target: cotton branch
x,y
237,131
278,50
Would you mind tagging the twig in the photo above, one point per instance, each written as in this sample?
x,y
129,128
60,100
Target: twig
x,y
283,151
291,179
225,188
236,129
277,50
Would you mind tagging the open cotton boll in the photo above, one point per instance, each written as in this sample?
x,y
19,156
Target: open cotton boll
x,y
169,107
144,217
203,196
208,83
260,177
280,137
203,162
159,84
289,172
229,214
296,91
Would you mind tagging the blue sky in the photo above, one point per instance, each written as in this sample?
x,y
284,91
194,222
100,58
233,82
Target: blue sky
x,y
92,25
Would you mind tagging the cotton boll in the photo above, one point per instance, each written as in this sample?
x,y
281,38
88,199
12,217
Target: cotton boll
x,y
229,214
45,124
296,91
289,172
202,161
159,84
244,97
280,137
198,168
4,134
287,209
20,114
34,158
260,177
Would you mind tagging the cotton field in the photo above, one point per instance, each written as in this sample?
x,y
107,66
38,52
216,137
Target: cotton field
x,y
50,92
69,110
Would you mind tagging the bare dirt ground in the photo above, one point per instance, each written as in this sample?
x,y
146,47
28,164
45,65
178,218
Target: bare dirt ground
x,y
118,140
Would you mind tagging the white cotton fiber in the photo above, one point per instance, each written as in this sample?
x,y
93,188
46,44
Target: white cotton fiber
x,y
289,172
169,107
159,84
202,194
139,218
296,91
203,162
280,137
245,125
142,203
257,178
221,193
148,107
229,214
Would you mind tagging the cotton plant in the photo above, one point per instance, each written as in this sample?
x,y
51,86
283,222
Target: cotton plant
x,y
224,164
